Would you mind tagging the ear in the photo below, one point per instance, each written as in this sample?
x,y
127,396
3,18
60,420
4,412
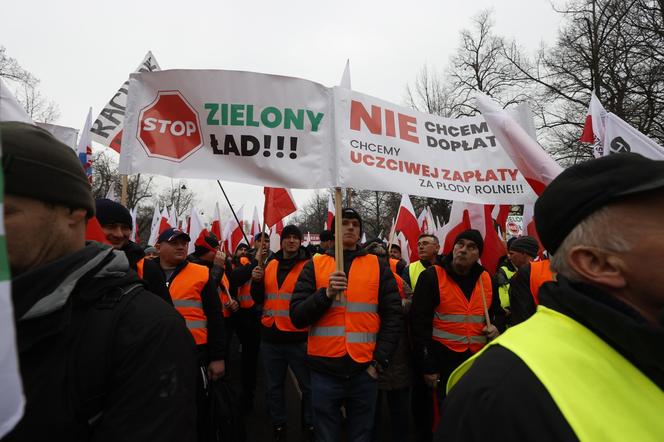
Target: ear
x,y
76,217
158,247
598,266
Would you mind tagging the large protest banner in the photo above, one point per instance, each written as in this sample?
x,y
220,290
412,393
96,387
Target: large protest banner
x,y
237,126
107,128
382,146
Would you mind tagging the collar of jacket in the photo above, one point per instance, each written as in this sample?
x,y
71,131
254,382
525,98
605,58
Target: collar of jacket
x,y
46,289
615,322
134,252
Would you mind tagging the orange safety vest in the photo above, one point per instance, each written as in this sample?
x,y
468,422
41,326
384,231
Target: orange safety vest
x,y
349,326
457,321
399,280
222,290
139,267
277,299
244,295
393,265
540,272
185,290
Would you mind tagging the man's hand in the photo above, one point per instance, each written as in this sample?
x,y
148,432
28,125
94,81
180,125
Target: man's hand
x,y
431,380
336,284
490,331
216,370
232,305
220,259
371,370
257,274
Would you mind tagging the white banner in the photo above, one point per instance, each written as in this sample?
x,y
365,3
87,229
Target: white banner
x,y
67,135
386,147
107,128
236,126
621,137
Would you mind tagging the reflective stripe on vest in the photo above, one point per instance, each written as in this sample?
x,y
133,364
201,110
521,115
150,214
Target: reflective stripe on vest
x,y
277,299
350,326
457,321
602,395
185,290
244,295
504,290
539,274
415,269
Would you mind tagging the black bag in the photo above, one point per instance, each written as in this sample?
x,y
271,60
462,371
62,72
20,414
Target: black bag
x,y
226,420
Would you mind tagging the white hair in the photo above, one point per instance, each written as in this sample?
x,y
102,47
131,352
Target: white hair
x,y
597,230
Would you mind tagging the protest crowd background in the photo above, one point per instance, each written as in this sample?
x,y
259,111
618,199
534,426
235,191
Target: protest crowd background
x,y
481,261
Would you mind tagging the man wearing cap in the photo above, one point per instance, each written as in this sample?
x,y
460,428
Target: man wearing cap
x,y
355,323
427,252
116,223
326,241
521,251
395,254
101,358
589,364
194,296
282,344
450,307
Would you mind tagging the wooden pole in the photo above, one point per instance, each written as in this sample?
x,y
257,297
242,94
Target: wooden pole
x,y
486,310
391,240
338,235
125,185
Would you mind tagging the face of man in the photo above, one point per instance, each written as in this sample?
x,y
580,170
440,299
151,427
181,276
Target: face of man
x,y
172,253
290,244
117,234
241,252
38,233
427,248
464,255
395,253
350,230
519,259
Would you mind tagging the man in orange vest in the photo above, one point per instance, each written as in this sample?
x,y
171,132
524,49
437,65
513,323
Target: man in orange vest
x,y
524,289
282,344
450,305
355,323
195,297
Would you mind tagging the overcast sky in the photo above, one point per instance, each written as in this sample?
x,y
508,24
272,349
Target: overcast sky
x,y
82,51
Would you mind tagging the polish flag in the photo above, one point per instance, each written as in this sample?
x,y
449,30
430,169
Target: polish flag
x,y
134,231
500,212
533,162
407,224
422,221
233,231
279,227
172,217
93,231
164,223
330,213
279,203
593,129
196,229
255,225
215,226
85,147
402,242
466,216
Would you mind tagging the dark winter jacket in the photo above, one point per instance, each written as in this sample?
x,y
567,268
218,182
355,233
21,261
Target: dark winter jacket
x,y
215,349
522,303
152,274
273,334
432,356
502,393
309,304
216,272
83,334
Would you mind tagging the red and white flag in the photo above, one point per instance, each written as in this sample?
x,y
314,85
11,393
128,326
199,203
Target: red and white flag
x,y
279,203
593,128
330,213
255,225
215,225
94,232
233,231
500,212
196,229
84,148
407,224
154,225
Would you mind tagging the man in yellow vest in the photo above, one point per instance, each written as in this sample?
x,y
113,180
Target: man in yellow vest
x,y
427,250
282,344
589,364
521,251
449,311
195,297
355,323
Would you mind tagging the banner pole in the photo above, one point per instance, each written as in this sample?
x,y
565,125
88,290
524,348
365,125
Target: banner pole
x,y
338,240
125,185
234,215
486,310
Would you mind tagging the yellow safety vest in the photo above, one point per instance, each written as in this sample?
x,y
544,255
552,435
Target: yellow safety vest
x,y
415,269
602,395
504,290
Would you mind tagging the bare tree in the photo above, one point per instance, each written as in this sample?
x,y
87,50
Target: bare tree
x,y
178,197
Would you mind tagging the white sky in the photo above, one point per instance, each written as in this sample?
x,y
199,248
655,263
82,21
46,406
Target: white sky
x,y
82,51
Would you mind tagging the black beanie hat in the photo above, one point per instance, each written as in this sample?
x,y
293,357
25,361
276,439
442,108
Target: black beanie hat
x,y
525,244
38,166
350,214
291,229
110,212
472,235
326,235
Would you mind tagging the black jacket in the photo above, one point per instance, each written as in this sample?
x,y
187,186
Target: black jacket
x,y
215,349
142,364
431,355
273,334
152,274
500,392
308,305
522,303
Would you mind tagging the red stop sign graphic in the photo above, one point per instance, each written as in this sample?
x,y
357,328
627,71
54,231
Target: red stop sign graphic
x,y
513,227
169,127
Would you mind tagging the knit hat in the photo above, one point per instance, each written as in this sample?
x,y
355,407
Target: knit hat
x,y
291,229
326,235
472,235
586,187
257,236
110,212
525,244
205,243
350,214
36,165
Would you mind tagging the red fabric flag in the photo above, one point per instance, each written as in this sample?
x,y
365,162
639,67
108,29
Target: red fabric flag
x,y
215,227
279,204
330,213
279,227
93,232
407,224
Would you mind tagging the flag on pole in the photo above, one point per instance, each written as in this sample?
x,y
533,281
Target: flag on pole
x,y
593,128
134,230
154,225
85,147
255,225
279,203
233,231
330,213
197,230
620,136
345,77
215,226
407,224
10,109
